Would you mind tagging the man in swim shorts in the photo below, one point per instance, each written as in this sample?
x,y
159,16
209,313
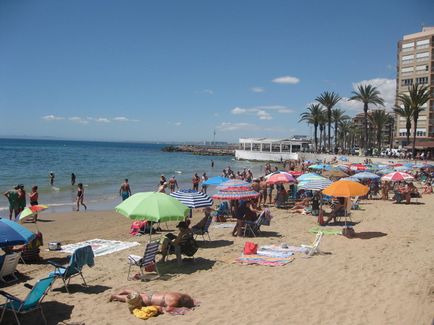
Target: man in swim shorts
x,y
173,183
125,190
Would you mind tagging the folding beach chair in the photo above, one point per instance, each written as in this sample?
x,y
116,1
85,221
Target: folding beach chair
x,y
9,267
82,256
253,227
314,248
32,301
148,259
204,230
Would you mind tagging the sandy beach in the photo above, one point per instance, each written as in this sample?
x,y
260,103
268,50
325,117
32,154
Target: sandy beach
x,y
384,276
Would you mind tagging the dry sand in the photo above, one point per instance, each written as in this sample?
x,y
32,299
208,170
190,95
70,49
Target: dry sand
x,y
386,276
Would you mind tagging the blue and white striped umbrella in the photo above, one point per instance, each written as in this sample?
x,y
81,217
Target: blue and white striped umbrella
x,y
192,198
315,185
309,177
365,175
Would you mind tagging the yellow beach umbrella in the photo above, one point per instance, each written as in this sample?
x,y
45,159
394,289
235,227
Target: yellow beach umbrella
x,y
344,188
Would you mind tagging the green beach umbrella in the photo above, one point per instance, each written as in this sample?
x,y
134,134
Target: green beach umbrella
x,y
154,207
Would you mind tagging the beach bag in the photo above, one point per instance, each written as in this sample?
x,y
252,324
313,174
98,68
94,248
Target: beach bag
x,y
250,248
150,267
136,226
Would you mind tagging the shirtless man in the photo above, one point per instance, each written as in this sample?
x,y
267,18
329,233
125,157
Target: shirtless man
x,y
173,183
125,191
195,180
262,191
168,300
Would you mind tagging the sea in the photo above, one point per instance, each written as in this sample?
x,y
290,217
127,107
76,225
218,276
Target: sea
x,y
101,167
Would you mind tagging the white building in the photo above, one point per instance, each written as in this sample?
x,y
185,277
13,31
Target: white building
x,y
266,149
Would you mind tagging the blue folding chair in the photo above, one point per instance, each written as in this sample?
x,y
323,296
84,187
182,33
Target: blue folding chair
x,y
82,256
32,301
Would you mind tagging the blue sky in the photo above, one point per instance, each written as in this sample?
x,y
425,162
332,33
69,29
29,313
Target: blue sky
x,y
177,70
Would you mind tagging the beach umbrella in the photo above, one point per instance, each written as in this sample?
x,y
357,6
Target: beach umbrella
x,y
193,199
402,169
345,188
154,207
321,166
31,211
384,171
12,233
343,158
397,177
345,168
314,185
234,183
358,167
295,173
216,180
423,165
335,173
281,178
309,177
365,175
235,194
351,178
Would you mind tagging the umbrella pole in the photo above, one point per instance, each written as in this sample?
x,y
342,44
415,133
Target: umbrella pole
x,y
150,232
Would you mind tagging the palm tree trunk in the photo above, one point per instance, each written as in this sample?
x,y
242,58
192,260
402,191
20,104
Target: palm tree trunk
x,y
365,109
416,116
408,126
329,113
316,136
336,135
379,141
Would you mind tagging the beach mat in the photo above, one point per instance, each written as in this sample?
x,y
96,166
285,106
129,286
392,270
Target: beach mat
x,y
262,260
100,246
279,249
325,231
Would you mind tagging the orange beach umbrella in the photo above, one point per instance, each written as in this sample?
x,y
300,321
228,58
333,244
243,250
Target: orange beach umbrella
x,y
344,188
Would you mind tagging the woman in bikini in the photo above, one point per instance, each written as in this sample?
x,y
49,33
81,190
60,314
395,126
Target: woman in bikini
x,y
80,196
168,300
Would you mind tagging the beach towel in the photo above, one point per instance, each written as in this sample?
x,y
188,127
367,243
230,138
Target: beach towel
x,y
263,260
325,231
273,253
223,225
100,246
284,248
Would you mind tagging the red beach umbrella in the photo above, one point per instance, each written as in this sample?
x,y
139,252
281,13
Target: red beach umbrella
x,y
281,178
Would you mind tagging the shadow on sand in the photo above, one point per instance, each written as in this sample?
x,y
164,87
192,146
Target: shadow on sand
x,y
214,243
75,287
170,268
369,234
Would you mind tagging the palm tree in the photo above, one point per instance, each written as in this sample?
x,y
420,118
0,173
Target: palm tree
x,y
322,124
345,133
313,116
367,94
406,112
328,100
338,116
379,118
416,98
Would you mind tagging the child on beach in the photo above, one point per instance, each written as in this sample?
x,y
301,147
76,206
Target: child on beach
x,y
80,197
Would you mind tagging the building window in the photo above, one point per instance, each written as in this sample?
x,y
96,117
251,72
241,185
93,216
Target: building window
x,y
408,46
423,44
406,82
422,80
420,133
424,56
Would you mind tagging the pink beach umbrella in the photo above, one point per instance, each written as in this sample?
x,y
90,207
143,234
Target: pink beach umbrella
x,y
236,193
281,178
358,167
397,177
234,183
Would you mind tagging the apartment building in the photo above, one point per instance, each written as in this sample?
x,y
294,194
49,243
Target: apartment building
x,y
415,66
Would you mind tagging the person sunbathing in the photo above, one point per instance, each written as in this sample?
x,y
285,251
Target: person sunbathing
x,y
166,300
300,207
427,188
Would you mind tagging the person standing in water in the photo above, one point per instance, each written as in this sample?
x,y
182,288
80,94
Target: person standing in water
x,y
80,197
52,176
72,179
125,190
33,197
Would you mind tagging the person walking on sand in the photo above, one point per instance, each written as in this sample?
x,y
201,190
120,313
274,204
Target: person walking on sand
x,y
80,197
33,197
173,183
125,190
52,176
72,179
195,180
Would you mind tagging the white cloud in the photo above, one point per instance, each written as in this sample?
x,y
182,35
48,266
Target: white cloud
x,y
386,87
52,118
262,112
286,80
257,89
206,92
177,123
174,123
123,119
77,119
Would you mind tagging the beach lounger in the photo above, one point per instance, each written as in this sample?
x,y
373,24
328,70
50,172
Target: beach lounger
x,y
32,301
314,248
204,230
82,256
9,267
148,259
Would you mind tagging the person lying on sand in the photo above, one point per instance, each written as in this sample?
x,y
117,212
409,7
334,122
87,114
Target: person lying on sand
x,y
167,300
